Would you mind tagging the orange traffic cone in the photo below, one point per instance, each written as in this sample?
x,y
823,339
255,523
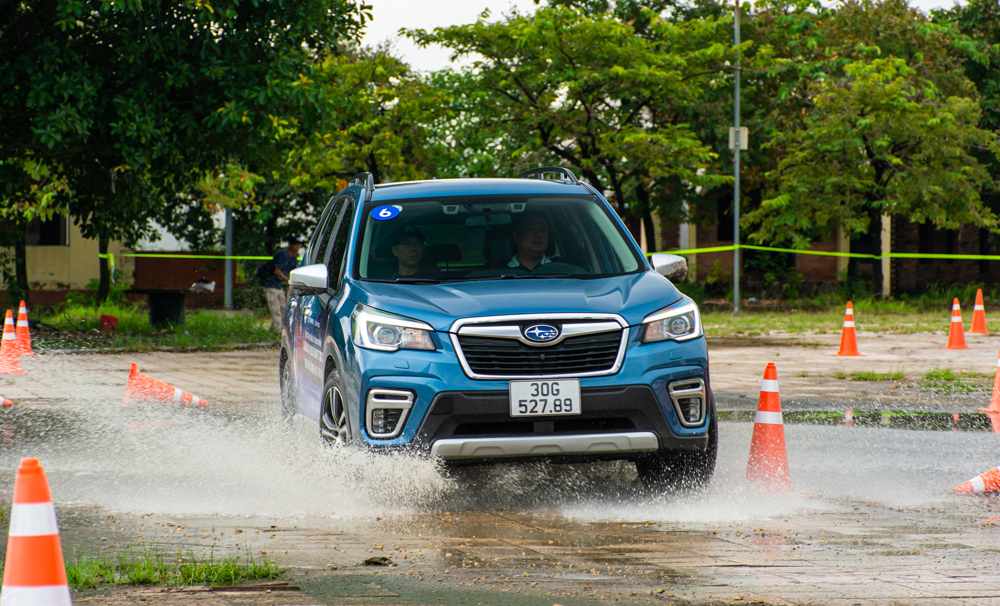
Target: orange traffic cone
x,y
8,349
979,315
768,462
987,482
849,417
4,402
956,337
143,388
993,410
848,336
34,572
23,333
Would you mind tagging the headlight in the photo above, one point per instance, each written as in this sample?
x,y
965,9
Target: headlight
x,y
374,329
679,322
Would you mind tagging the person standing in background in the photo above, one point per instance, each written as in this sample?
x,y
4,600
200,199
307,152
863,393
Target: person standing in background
x,y
273,282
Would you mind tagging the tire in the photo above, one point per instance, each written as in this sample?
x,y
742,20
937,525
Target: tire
x,y
669,471
288,405
334,424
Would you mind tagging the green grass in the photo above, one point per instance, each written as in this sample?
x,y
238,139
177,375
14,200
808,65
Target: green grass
x,y
839,375
131,565
871,375
79,327
947,380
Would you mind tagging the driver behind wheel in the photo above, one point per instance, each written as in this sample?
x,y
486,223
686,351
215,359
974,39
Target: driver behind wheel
x,y
531,238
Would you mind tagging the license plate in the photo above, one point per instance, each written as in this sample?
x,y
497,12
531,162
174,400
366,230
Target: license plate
x,y
544,398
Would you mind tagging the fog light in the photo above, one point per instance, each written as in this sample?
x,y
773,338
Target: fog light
x,y
384,420
690,409
689,398
386,411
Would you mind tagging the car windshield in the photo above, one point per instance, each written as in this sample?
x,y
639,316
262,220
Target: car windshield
x,y
491,238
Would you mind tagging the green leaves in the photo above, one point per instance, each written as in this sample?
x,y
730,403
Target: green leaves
x,y
588,91
880,139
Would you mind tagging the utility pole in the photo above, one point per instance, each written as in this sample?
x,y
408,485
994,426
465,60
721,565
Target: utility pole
x,y
736,172
228,300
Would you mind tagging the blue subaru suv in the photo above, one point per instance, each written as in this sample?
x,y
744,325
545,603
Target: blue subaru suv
x,y
497,320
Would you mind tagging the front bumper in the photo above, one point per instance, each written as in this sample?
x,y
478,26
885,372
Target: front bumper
x,y
450,405
614,421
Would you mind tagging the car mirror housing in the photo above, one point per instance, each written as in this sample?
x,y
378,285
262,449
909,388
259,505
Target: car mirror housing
x,y
309,280
672,267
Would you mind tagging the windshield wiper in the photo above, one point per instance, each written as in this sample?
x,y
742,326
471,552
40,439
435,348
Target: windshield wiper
x,y
508,277
523,276
405,280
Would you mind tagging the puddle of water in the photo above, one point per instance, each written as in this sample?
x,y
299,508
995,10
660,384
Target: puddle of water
x,y
168,460
858,417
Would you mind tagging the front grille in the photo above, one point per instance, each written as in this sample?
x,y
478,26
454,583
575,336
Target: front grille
x,y
508,357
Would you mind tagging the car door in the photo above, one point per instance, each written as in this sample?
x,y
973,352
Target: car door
x,y
335,322
320,237
310,323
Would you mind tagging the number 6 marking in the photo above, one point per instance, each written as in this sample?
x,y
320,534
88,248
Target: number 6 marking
x,y
385,213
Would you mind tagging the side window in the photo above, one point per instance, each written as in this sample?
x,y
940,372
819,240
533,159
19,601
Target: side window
x,y
338,250
318,252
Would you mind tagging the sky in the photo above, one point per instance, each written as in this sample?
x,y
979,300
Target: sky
x,y
391,15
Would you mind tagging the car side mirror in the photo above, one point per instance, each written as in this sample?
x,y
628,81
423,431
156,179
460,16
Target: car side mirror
x,y
672,267
309,280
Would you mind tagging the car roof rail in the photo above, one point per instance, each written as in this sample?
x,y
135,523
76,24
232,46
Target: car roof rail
x,y
536,173
365,180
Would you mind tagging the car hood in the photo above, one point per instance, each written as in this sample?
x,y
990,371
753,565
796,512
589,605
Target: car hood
x,y
633,296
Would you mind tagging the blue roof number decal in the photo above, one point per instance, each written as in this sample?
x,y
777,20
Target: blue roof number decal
x,y
385,213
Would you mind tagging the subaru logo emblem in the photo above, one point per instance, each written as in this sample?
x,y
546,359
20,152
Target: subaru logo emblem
x,y
541,333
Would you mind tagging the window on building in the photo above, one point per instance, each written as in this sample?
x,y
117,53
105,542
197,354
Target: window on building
x,y
53,232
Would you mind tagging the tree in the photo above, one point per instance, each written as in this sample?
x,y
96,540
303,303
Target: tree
x,y
979,22
374,115
881,140
585,91
152,94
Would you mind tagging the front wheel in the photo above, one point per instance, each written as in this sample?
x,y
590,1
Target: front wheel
x,y
681,470
334,428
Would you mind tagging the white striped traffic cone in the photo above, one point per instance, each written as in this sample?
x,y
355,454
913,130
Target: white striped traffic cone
x,y
981,484
23,333
8,348
979,315
34,573
848,335
768,463
956,335
143,388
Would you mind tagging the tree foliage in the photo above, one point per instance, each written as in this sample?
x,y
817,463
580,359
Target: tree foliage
x,y
374,115
584,90
130,112
136,100
880,140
